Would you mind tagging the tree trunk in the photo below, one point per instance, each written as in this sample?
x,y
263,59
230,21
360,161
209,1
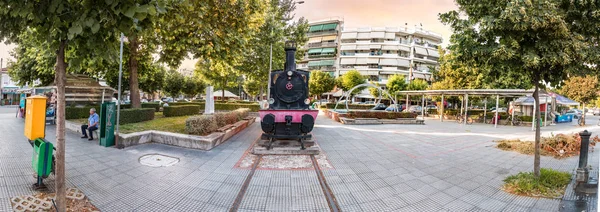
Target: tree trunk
x,y
536,160
223,90
134,91
60,81
582,116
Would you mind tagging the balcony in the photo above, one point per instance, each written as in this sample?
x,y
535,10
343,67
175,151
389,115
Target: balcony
x,y
323,44
321,56
322,68
330,32
363,42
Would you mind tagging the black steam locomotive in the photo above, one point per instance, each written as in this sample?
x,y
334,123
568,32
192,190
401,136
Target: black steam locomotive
x,y
289,115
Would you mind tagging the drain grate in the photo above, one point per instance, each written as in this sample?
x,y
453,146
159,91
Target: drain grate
x,y
158,160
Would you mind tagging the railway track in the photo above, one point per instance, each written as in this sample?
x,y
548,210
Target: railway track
x,y
330,197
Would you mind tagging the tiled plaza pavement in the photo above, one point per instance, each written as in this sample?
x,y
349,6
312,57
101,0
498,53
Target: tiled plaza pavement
x,y
433,167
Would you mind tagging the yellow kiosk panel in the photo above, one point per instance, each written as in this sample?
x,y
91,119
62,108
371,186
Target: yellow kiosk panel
x,y
35,117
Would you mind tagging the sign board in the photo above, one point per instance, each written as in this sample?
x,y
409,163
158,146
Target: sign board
x,y
107,124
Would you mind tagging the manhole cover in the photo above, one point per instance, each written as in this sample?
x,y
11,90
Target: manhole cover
x,y
158,160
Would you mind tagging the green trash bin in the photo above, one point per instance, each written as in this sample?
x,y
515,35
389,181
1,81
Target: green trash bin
x,y
108,118
42,157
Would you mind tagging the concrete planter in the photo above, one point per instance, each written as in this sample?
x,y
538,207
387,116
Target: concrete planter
x,y
175,139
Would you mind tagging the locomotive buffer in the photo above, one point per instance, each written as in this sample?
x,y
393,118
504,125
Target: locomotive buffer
x,y
286,118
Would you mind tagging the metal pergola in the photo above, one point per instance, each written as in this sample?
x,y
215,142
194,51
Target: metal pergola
x,y
474,92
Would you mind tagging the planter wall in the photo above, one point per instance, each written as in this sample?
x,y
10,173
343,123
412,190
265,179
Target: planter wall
x,y
175,139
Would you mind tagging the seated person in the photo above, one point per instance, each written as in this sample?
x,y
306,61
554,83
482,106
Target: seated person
x,y
92,125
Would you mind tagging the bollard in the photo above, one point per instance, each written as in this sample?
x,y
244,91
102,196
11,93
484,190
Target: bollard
x,y
585,146
583,183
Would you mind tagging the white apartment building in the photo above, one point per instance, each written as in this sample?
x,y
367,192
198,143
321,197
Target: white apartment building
x,y
322,48
380,52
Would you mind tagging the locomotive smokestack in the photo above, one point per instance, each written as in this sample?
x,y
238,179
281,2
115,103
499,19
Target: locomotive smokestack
x,y
290,56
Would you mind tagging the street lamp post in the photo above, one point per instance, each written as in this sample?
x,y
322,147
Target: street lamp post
x,y
271,54
119,90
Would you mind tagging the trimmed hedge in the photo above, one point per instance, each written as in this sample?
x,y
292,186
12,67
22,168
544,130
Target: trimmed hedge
x,y
221,106
182,110
182,103
205,124
156,106
343,106
136,115
379,115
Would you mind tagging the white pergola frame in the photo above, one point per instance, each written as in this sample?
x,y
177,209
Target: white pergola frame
x,y
476,92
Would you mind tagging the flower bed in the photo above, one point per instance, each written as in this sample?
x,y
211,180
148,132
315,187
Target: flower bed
x,y
205,124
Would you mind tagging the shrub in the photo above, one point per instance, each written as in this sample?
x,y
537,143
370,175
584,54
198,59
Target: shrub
x,y
233,106
183,103
550,184
79,112
201,125
182,110
156,106
379,115
136,115
433,111
558,146
343,106
205,124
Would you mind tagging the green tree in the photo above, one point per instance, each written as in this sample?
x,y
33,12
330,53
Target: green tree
x,y
533,40
319,83
277,28
152,79
217,73
192,87
581,89
417,85
173,84
396,83
350,79
252,87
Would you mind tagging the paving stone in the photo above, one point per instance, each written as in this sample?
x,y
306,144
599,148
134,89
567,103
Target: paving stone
x,y
492,205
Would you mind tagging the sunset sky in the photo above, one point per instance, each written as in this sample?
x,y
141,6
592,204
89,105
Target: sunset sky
x,y
362,13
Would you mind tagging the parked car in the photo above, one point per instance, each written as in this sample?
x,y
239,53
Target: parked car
x,y
575,112
500,110
379,106
369,102
344,102
413,109
431,107
169,99
394,107
596,111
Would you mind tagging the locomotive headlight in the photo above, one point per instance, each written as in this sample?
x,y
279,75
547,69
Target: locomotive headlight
x,y
290,73
271,100
307,101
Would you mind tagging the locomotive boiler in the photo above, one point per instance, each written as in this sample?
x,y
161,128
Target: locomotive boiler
x,y
288,116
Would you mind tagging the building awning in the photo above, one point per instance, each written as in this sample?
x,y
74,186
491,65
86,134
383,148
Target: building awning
x,y
349,35
363,35
328,50
328,38
389,47
361,61
362,47
373,60
327,62
377,35
404,48
315,40
331,26
347,61
226,93
374,46
314,63
390,35
315,51
421,50
348,47
315,28
403,63
563,100
529,100
388,62
433,53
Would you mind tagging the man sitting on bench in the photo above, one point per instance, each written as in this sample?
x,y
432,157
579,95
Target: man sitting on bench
x,y
92,125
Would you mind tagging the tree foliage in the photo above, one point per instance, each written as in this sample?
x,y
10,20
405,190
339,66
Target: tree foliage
x,y
417,85
277,28
536,41
174,84
581,89
396,83
320,82
218,73
192,86
350,79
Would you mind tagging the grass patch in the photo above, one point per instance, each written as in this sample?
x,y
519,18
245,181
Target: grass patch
x,y
161,123
550,184
558,146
